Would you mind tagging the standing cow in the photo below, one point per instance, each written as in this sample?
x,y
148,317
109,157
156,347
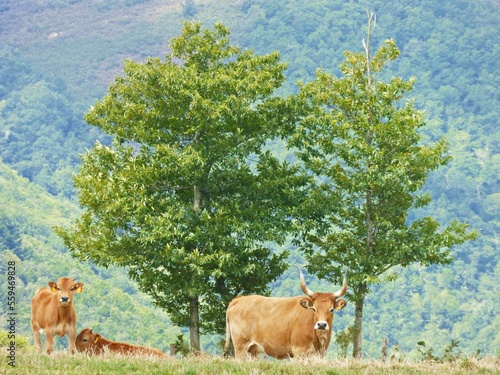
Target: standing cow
x,y
283,327
53,312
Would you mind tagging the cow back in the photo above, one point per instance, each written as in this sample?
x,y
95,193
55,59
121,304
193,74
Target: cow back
x,y
275,325
125,348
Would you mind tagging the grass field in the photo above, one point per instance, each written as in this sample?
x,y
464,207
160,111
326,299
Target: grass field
x,y
26,362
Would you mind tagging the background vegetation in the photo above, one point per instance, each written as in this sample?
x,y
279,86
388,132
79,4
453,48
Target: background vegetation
x,y
109,302
58,57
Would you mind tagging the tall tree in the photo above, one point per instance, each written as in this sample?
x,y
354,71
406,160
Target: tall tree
x,y
185,198
361,140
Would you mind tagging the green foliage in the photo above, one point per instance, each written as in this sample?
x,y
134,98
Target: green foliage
x,y
362,142
15,73
110,304
427,354
189,8
10,238
343,339
181,346
451,352
185,197
39,129
366,150
21,341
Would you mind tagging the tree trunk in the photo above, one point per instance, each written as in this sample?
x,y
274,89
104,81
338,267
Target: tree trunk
x,y
194,313
384,349
194,325
357,343
197,199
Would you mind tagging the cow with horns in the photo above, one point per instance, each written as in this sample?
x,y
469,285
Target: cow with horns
x,y
283,327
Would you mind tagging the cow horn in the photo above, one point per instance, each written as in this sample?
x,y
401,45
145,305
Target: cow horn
x,y
305,289
342,291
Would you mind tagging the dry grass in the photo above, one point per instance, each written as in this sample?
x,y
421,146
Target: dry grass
x,y
62,363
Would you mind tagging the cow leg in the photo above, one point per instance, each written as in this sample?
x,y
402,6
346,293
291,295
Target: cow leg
x,y
247,350
240,354
304,352
38,339
72,340
49,342
253,351
240,351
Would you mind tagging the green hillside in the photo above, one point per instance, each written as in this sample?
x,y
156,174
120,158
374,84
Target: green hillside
x,y
58,57
110,301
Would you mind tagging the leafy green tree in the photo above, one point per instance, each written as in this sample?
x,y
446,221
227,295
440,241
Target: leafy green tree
x,y
361,140
185,198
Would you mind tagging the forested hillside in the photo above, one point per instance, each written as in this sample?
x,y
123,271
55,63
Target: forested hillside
x,y
58,57
109,302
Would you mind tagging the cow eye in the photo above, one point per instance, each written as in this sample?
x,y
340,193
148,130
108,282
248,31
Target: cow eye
x,y
85,340
313,309
331,311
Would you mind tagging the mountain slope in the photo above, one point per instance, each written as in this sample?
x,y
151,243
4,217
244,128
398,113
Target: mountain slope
x,y
110,303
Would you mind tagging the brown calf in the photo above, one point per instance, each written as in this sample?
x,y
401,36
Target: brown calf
x,y
93,343
53,312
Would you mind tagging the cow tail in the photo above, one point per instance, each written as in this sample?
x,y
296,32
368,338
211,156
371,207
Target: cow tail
x,y
225,353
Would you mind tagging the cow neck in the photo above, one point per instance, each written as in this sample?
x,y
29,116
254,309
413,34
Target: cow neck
x,y
65,312
105,342
322,340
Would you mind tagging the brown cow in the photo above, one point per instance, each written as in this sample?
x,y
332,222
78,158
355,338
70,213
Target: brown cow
x,y
93,343
53,312
282,327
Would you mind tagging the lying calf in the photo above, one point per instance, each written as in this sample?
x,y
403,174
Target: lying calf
x,y
94,343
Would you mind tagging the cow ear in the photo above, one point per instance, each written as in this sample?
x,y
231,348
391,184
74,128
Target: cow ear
x,y
78,287
97,338
306,303
340,304
52,286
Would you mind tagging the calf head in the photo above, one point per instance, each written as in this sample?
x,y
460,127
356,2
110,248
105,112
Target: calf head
x,y
86,339
65,288
323,305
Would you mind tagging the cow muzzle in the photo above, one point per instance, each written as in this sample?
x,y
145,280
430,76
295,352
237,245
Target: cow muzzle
x,y
320,325
64,301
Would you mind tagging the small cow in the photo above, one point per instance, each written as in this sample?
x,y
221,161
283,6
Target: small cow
x,y
93,343
282,327
53,312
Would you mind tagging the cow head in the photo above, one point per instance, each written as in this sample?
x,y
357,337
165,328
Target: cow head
x,y
86,339
323,305
65,288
